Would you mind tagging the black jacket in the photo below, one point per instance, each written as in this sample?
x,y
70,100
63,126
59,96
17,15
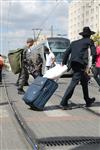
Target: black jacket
x,y
79,51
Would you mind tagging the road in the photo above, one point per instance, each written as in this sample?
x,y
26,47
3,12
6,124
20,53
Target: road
x,y
75,129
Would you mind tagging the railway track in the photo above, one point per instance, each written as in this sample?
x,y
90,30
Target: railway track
x,y
28,133
73,105
52,142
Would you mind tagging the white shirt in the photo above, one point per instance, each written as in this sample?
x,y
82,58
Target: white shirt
x,y
29,50
49,58
89,58
29,54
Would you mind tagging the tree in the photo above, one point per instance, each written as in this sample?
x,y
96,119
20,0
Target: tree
x,y
96,38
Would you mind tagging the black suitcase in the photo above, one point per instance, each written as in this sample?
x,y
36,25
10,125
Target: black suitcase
x,y
39,92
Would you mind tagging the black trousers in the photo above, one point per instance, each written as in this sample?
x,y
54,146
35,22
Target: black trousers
x,y
78,75
0,75
26,77
23,77
24,74
96,73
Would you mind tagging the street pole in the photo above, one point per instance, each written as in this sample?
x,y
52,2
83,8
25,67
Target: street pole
x,y
51,31
34,33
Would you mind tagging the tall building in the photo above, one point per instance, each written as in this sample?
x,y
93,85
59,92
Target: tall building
x,y
83,13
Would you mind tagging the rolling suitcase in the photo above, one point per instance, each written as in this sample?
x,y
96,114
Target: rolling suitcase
x,y
39,92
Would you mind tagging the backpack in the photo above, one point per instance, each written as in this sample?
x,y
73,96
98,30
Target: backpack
x,y
1,61
14,57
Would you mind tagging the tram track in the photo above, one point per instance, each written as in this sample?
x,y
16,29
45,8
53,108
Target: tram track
x,y
82,105
39,144
74,105
28,133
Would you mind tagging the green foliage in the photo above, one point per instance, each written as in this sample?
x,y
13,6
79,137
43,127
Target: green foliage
x,y
96,38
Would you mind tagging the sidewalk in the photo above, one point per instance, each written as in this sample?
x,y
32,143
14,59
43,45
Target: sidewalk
x,y
54,123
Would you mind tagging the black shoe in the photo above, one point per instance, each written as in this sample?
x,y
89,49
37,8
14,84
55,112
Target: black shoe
x,y
16,84
21,91
64,107
26,84
35,108
89,102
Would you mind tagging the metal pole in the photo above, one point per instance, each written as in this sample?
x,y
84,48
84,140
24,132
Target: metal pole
x,y
34,33
51,31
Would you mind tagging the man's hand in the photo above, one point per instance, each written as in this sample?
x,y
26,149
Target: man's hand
x,y
88,70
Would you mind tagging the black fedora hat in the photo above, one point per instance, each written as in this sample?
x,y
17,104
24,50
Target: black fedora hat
x,y
87,31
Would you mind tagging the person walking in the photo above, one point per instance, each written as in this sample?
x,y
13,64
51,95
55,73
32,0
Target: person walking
x,y
49,57
26,58
1,66
79,59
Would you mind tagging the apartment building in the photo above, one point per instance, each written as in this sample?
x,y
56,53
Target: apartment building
x,y
83,13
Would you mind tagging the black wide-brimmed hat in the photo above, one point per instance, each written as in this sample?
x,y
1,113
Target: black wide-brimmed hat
x,y
87,31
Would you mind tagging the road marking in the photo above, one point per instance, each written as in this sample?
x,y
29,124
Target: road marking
x,y
56,113
3,112
97,109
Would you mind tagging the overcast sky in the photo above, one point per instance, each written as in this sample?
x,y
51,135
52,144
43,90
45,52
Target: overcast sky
x,y
19,17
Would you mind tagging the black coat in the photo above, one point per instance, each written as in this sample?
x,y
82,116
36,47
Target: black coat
x,y
79,51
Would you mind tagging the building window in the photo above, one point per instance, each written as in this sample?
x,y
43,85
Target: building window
x,y
91,18
92,10
87,12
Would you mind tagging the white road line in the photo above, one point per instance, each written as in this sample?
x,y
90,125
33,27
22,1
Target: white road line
x,y
3,112
96,109
56,113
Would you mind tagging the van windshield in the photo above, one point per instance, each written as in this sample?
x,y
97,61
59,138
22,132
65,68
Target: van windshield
x,y
58,45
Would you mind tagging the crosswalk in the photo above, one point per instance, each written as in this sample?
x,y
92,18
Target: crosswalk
x,y
3,112
56,113
96,109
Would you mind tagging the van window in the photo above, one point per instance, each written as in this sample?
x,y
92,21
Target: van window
x,y
58,46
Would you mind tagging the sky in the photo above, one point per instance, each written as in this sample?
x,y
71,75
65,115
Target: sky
x,y
20,19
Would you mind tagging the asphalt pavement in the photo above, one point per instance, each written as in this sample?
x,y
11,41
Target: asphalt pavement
x,y
59,129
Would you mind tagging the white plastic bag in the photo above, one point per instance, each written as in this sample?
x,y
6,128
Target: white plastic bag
x,y
55,72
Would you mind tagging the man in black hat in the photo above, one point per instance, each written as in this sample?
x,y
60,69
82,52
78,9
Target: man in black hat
x,y
78,51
